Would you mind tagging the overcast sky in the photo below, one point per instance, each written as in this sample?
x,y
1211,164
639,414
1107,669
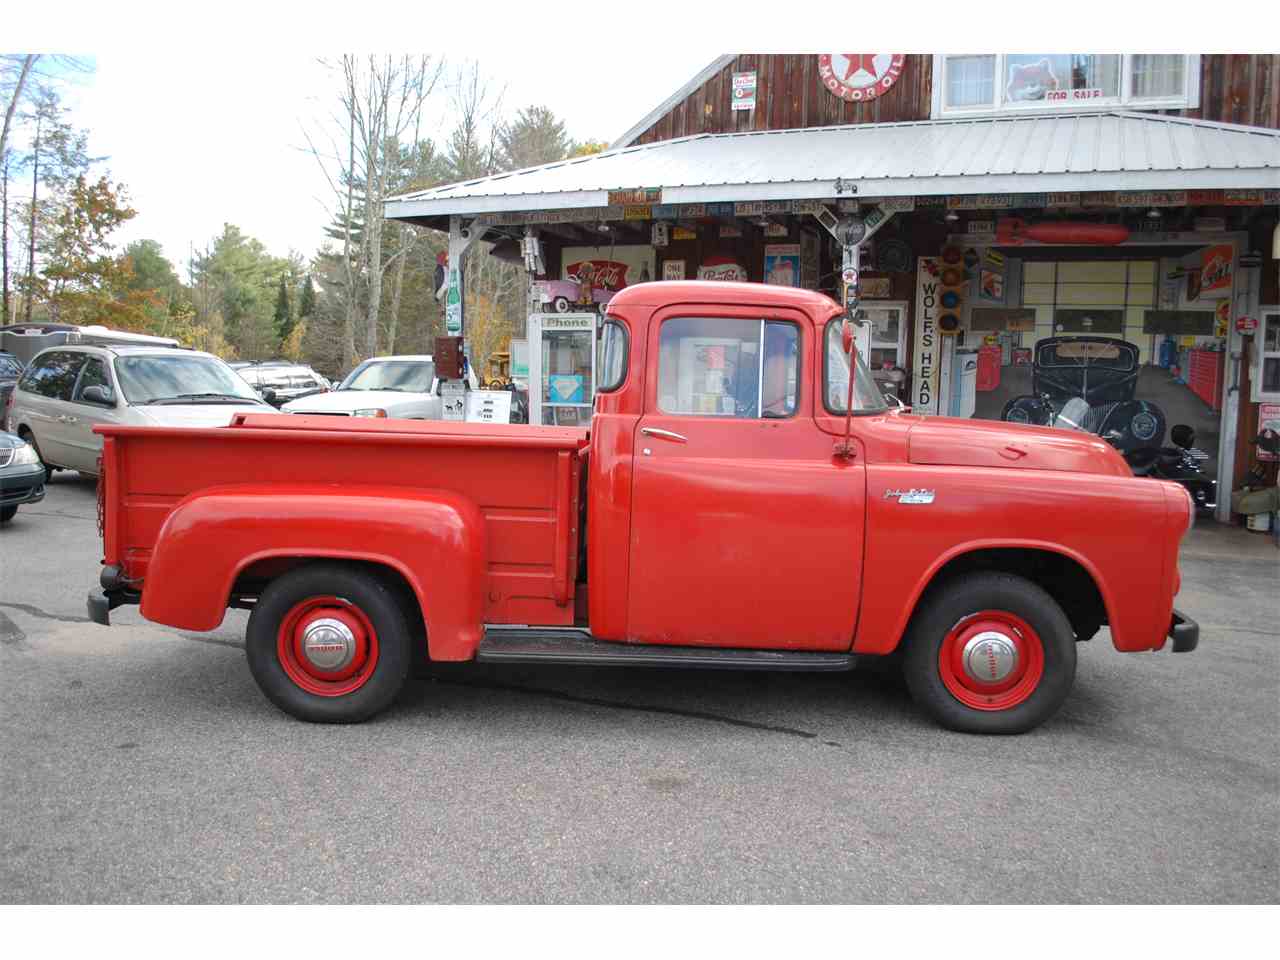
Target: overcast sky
x,y
227,144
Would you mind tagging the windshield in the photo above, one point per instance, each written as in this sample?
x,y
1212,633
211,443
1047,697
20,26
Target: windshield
x,y
411,376
866,396
9,367
148,378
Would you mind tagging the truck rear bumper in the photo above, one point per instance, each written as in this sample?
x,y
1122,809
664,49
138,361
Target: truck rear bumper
x,y
1185,633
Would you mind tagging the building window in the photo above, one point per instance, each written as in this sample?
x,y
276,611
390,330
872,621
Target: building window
x,y
1266,377
1157,76
970,80
978,84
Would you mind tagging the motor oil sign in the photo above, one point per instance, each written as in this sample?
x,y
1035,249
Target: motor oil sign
x,y
924,381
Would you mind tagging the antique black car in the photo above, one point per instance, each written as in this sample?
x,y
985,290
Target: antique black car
x,y
1089,383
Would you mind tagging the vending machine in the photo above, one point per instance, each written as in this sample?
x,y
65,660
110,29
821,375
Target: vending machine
x,y
562,368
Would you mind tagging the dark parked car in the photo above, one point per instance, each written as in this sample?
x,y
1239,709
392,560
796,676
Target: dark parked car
x,y
10,371
21,475
1088,383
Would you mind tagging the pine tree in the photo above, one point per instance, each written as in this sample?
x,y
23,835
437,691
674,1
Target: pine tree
x,y
307,301
283,318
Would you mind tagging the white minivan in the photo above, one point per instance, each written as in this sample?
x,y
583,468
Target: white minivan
x,y
66,390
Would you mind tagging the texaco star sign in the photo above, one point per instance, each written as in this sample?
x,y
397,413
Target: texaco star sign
x,y
859,76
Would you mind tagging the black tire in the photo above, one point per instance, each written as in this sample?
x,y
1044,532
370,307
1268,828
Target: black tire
x,y
561,304
373,598
942,614
8,513
30,437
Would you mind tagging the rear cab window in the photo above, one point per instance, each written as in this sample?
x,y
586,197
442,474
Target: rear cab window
x,y
729,367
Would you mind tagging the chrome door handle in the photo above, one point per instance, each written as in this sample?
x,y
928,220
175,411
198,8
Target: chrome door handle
x,y
664,434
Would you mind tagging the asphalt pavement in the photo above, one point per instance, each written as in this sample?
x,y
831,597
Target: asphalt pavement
x,y
141,764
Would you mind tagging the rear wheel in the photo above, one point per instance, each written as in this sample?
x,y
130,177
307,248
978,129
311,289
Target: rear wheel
x,y
8,513
990,653
329,644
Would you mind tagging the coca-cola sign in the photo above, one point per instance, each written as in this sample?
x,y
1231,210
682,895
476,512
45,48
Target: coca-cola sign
x,y
611,274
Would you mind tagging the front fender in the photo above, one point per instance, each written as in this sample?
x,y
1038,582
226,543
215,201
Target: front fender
x,y
433,538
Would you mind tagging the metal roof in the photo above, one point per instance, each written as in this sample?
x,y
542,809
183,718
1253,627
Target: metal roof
x,y
1101,151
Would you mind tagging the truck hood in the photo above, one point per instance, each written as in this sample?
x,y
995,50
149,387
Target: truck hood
x,y
395,402
950,441
195,414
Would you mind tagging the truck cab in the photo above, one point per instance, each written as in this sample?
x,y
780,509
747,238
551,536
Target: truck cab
x,y
737,503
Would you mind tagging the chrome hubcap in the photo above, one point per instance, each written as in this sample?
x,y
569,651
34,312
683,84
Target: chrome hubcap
x,y
990,657
328,644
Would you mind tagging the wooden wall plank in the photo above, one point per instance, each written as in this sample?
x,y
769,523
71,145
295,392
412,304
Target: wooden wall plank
x,y
789,93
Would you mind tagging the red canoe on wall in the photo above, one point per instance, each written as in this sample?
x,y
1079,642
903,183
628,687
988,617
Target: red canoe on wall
x,y
1012,230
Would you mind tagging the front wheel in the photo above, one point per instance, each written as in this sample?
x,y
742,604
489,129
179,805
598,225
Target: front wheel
x,y
328,643
8,513
990,653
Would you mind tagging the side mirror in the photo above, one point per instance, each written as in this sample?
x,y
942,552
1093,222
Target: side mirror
x,y
269,395
100,395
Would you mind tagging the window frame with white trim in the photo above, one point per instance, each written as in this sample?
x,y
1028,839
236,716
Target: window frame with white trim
x,y
1269,315
999,103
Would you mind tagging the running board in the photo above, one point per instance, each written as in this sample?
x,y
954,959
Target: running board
x,y
533,645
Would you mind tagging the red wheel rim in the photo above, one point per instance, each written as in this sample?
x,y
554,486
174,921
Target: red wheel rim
x,y
327,646
992,660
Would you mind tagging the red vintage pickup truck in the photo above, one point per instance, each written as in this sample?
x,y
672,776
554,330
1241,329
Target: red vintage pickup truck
x,y
722,511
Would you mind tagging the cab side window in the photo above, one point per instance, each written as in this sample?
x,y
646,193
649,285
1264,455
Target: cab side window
x,y
94,374
54,375
726,367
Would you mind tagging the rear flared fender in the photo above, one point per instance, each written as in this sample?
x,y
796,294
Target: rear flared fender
x,y
432,538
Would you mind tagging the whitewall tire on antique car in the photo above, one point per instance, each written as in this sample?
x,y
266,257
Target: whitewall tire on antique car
x,y
990,653
328,643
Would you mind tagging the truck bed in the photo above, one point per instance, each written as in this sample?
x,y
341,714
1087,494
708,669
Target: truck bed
x,y
525,481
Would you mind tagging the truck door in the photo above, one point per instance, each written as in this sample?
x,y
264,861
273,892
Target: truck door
x,y
746,531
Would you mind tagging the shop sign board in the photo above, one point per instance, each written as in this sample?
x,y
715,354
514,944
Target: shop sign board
x,y
643,195
488,406
744,91
897,204
776,230
727,232
613,267
857,77
1268,419
683,233
782,264
721,269
925,365
876,288
568,321
753,208
980,226
637,212
673,269
1215,270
